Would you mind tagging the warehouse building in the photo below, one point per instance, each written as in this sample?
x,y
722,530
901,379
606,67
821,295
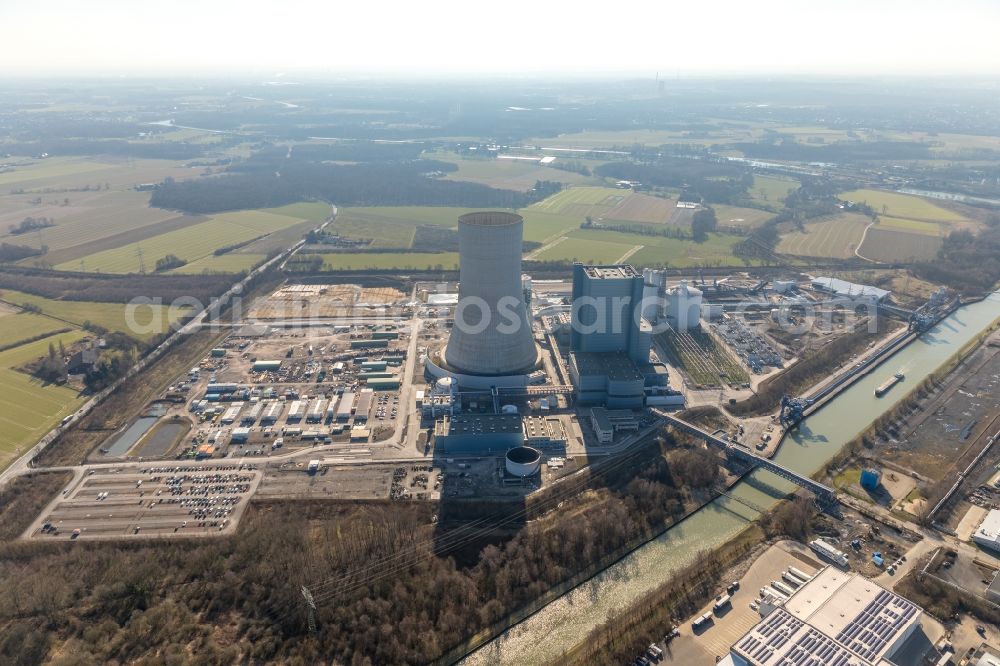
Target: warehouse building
x,y
836,617
847,289
607,422
479,433
266,366
987,534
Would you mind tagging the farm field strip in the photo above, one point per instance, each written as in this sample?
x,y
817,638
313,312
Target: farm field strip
x,y
905,206
836,237
894,245
231,262
190,243
386,260
29,408
911,226
24,325
107,315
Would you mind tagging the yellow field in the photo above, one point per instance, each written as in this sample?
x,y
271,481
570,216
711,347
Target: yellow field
x,y
836,237
902,205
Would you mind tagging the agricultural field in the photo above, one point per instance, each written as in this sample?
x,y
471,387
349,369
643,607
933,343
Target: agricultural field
x,y
611,140
196,241
507,174
902,205
16,325
111,316
28,407
736,216
582,201
643,208
836,237
587,250
772,190
909,226
893,245
231,262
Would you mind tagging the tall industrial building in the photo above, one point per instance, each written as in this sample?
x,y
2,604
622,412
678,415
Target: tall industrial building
x,y
489,247
610,340
607,303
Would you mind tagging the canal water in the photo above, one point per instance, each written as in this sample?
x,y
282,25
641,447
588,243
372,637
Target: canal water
x,y
563,623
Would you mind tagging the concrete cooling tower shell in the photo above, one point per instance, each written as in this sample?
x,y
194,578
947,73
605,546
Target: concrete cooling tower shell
x,y
489,247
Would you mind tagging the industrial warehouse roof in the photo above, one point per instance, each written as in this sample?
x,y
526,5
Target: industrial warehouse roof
x,y
614,365
479,424
837,618
988,533
845,288
611,272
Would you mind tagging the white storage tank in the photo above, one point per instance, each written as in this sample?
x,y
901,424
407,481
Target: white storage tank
x,y
509,409
683,306
523,461
445,385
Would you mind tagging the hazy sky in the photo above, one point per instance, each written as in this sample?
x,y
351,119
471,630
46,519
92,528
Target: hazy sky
x,y
502,36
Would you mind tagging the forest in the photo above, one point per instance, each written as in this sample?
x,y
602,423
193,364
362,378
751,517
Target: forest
x,y
236,599
711,181
962,250
370,184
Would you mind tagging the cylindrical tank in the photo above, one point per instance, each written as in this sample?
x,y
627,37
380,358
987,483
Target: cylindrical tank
x,y
509,409
523,461
492,333
683,306
445,385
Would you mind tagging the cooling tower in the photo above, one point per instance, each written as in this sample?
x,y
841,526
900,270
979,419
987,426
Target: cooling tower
x,y
489,248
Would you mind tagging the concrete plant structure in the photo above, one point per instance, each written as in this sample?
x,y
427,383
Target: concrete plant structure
x,y
492,334
683,306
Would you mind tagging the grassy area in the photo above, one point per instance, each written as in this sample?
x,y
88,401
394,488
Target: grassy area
x,y
772,189
850,476
190,243
15,327
663,251
836,237
902,205
587,250
735,216
29,408
582,201
913,226
233,262
111,316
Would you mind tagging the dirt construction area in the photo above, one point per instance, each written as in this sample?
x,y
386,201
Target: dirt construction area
x,y
325,300
149,502
933,439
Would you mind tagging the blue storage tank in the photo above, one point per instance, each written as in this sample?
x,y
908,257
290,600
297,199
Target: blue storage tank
x,y
870,478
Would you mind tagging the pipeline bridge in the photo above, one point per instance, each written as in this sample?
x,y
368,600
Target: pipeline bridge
x,y
826,497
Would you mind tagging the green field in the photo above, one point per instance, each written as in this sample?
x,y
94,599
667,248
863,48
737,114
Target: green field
x,y
582,201
891,245
191,243
587,250
912,226
735,216
232,262
772,189
902,205
18,326
835,237
29,408
111,316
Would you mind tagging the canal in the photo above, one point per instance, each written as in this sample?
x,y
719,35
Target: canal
x,y
560,625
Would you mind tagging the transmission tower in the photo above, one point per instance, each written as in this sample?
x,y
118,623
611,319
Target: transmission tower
x,y
142,264
311,604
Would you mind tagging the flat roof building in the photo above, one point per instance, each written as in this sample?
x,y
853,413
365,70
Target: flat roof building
x,y
482,433
988,532
836,618
610,379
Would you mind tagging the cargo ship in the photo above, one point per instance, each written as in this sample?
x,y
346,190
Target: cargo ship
x,y
884,387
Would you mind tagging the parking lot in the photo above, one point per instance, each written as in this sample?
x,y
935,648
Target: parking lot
x,y
731,623
150,502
